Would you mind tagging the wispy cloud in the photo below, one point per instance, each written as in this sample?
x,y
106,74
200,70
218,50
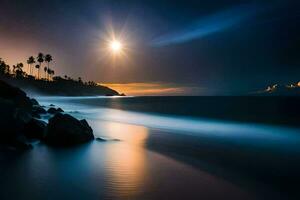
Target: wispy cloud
x,y
155,89
207,25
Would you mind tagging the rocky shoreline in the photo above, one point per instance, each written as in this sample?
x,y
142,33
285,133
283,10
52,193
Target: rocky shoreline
x,y
20,123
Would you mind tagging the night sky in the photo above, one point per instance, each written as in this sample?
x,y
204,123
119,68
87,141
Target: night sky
x,y
173,47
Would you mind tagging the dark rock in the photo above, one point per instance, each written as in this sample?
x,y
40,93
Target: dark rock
x,y
54,110
12,121
34,102
22,116
51,105
86,125
17,96
60,110
101,139
21,143
9,125
36,116
38,110
65,130
35,129
15,114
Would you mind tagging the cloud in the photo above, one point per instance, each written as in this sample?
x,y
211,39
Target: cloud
x,y
205,26
154,89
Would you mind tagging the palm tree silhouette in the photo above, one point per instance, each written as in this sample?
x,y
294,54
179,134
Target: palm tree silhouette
x,y
14,68
48,59
50,72
45,70
30,61
38,68
19,66
40,59
18,70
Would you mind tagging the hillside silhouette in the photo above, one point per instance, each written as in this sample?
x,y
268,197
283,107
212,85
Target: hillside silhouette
x,y
42,80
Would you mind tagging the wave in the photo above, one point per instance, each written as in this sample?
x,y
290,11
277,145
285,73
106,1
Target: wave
x,y
178,124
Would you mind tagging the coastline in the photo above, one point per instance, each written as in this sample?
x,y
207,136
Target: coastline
x,y
21,116
59,87
251,161
253,156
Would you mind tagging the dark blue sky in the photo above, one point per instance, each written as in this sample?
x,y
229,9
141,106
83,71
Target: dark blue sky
x,y
203,47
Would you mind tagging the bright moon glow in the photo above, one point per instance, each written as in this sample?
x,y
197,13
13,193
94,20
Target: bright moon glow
x,y
116,46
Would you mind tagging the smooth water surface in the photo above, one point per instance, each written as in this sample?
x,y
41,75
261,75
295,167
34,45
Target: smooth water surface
x,y
149,155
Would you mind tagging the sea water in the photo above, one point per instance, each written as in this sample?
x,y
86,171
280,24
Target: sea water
x,y
152,152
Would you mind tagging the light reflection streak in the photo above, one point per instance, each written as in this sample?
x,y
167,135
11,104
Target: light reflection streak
x,y
125,162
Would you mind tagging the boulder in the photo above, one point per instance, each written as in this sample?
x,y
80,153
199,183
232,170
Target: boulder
x,y
17,96
20,143
65,130
9,125
99,139
54,110
35,129
38,110
60,110
12,121
22,116
34,102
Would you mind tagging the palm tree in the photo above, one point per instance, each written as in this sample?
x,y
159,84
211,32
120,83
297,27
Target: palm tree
x,y
38,68
48,59
30,61
4,68
45,70
14,68
40,59
50,73
20,66
19,70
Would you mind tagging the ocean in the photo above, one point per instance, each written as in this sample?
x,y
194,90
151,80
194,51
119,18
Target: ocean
x,y
163,148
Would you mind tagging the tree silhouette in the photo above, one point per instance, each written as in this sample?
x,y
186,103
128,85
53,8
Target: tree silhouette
x,y
30,61
38,68
48,59
52,74
40,59
19,70
4,68
45,70
14,68
49,72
